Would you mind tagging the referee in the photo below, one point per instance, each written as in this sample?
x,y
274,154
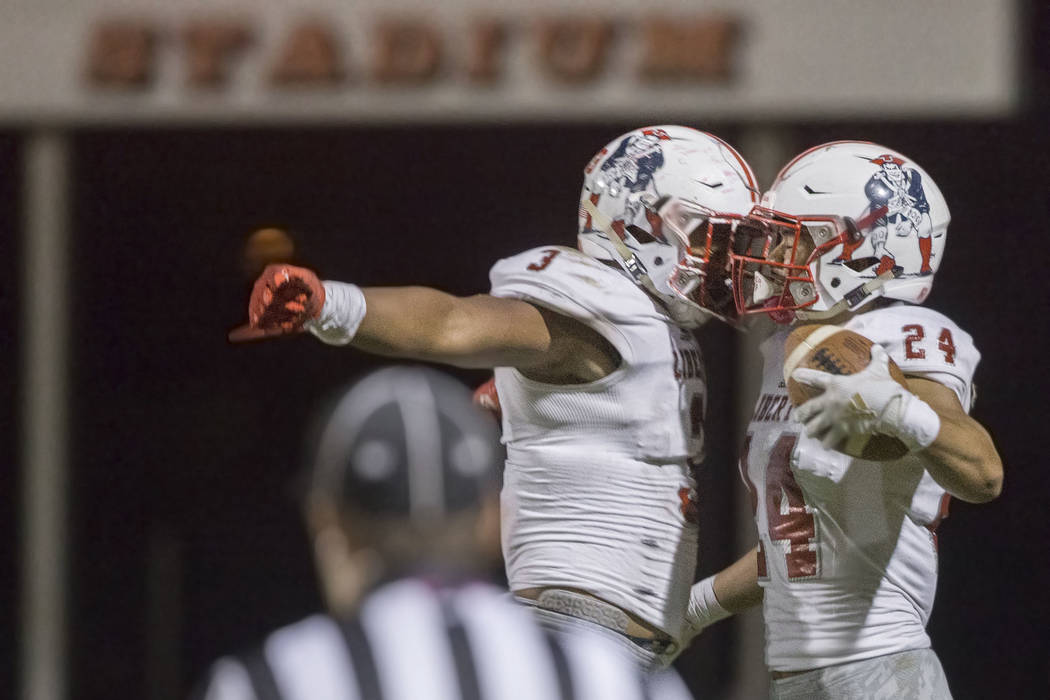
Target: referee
x,y
402,507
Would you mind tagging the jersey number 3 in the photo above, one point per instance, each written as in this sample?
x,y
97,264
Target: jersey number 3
x,y
548,255
791,523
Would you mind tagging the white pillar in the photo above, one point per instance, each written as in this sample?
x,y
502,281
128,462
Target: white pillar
x,y
44,453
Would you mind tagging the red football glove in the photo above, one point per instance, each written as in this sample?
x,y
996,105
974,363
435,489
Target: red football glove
x,y
485,396
283,299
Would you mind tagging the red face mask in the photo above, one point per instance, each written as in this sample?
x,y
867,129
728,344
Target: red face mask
x,y
771,258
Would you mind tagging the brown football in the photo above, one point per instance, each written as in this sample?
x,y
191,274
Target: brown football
x,y
838,351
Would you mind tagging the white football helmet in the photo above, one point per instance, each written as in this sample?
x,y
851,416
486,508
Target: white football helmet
x,y
661,202
843,223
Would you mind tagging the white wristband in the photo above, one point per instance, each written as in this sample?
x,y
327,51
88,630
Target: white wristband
x,y
343,311
917,424
704,608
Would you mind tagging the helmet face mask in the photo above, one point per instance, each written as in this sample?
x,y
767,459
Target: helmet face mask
x,y
701,276
773,255
658,202
843,224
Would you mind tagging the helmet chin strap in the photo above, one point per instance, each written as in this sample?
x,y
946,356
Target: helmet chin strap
x,y
849,301
679,310
633,265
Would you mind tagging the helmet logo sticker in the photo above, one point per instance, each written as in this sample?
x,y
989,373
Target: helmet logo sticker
x,y
897,205
628,173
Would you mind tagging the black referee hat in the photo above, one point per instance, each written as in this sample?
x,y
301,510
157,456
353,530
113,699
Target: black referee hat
x,y
406,441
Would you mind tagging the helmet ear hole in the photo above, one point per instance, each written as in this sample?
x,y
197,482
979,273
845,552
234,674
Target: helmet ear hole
x,y
861,264
641,235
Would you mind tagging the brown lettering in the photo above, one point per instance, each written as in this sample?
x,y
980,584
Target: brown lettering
x,y
573,50
407,51
209,49
121,54
771,407
782,403
309,56
486,41
761,408
689,50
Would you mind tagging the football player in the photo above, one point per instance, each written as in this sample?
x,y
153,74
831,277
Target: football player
x,y
847,554
600,379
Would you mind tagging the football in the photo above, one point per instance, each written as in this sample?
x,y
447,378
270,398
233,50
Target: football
x,y
838,351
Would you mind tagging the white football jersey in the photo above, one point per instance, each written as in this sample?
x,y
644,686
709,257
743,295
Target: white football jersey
x,y
847,551
598,490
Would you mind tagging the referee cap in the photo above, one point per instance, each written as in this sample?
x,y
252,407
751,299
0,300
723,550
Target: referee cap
x,y
406,441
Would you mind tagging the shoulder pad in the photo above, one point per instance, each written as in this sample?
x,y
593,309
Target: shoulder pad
x,y
567,281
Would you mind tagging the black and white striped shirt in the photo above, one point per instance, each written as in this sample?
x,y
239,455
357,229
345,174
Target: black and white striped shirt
x,y
412,641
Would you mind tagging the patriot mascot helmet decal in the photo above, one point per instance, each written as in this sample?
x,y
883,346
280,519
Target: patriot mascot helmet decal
x,y
844,223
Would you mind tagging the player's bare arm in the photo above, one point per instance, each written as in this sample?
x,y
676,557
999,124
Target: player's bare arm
x,y
736,586
428,324
482,331
732,590
962,459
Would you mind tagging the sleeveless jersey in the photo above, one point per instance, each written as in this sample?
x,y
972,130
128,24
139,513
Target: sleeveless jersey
x,y
598,488
847,551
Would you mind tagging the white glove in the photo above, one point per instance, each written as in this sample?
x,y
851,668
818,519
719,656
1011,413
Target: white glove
x,y
865,403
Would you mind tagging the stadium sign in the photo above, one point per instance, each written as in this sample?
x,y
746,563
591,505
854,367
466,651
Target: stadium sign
x,y
403,60
407,51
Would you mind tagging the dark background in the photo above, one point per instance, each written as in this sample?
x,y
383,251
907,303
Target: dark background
x,y
10,245
184,529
